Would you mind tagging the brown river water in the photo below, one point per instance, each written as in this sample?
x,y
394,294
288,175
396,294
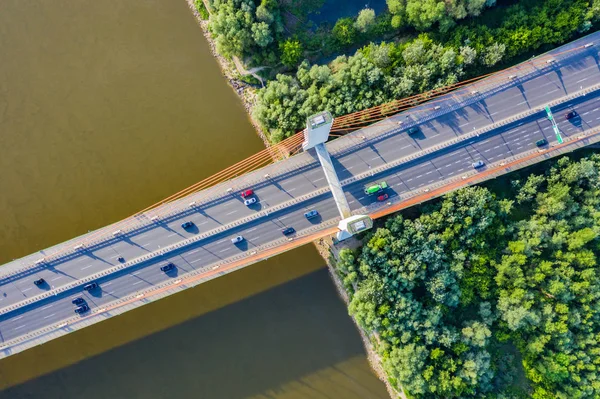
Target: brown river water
x,y
107,107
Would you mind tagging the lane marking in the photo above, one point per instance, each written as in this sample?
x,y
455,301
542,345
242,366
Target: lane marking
x,y
47,317
86,267
56,278
46,307
17,318
16,328
138,282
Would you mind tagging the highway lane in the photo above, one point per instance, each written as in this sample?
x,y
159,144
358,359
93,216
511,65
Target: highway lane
x,y
492,148
530,93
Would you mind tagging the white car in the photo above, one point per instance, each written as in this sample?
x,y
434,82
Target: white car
x,y
250,201
237,239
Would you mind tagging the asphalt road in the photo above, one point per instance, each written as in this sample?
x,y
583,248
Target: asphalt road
x,y
492,147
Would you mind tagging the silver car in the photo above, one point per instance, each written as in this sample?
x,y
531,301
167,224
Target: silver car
x,y
237,239
249,201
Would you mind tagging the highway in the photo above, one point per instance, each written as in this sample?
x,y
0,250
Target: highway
x,y
300,176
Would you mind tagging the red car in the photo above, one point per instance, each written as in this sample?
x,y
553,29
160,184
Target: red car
x,y
247,193
382,197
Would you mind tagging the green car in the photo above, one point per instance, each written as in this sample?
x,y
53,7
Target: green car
x,y
376,188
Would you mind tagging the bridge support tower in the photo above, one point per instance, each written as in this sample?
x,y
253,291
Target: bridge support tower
x,y
315,136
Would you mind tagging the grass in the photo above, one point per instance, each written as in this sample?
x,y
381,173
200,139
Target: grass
x,y
201,8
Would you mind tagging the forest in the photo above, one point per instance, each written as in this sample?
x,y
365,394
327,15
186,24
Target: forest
x,y
488,294
421,45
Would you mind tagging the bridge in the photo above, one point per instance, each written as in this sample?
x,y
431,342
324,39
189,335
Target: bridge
x,y
497,120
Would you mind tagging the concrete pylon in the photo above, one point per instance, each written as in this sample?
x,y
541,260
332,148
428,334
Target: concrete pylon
x,y
316,134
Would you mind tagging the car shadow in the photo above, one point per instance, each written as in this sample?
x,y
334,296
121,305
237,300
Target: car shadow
x,y
242,246
192,229
315,219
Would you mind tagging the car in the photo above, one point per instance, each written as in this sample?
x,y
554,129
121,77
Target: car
x,y
82,309
570,115
90,286
39,282
288,230
247,193
237,239
167,267
376,188
541,142
383,197
249,201
478,164
311,214
413,130
186,225
78,301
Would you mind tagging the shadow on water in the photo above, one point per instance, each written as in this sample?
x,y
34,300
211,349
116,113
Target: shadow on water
x,y
274,329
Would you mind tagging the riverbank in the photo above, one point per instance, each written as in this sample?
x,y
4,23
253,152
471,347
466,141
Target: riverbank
x,y
245,92
328,251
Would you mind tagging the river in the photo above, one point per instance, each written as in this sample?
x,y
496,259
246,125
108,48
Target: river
x,y
105,108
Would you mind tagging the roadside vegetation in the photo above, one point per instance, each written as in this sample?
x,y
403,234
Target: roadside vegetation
x,y
488,297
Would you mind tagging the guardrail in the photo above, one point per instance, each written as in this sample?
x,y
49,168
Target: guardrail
x,y
365,175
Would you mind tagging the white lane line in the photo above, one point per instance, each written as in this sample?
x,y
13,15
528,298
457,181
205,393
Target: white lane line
x,y
197,260
136,273
419,176
231,213
460,170
193,252
16,318
518,148
171,235
488,150
430,172
137,282
202,223
409,180
46,307
522,102
363,197
256,238
16,328
47,317
581,80
86,267
226,249
584,114
26,289
496,147
372,159
431,181
406,146
107,284
291,189
56,278
110,293
252,229
527,135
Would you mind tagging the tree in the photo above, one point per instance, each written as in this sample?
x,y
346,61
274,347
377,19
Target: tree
x,y
261,34
344,32
291,52
365,19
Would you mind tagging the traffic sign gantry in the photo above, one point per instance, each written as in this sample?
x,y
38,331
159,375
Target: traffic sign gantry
x,y
554,125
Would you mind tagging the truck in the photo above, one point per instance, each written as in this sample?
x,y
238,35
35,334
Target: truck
x,y
375,188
